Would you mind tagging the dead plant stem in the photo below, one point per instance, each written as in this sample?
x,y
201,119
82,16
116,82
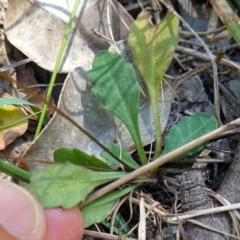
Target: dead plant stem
x,y
160,161
225,62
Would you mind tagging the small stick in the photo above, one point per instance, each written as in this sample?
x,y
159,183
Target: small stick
x,y
16,64
101,36
225,62
105,236
220,54
160,161
193,72
199,69
186,34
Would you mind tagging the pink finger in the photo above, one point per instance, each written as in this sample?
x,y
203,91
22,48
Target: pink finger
x,y
64,224
21,215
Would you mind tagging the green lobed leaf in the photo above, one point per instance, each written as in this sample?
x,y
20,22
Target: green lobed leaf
x,y
67,184
114,83
97,210
122,154
78,157
187,130
152,49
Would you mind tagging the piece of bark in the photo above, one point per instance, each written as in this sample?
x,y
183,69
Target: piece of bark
x,y
194,197
230,187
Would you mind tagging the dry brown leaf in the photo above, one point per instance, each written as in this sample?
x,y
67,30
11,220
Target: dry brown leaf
x,y
37,28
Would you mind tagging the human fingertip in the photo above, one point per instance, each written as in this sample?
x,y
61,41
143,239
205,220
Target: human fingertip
x,y
21,214
64,224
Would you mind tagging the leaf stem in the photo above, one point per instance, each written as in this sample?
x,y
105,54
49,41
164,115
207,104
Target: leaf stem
x,y
157,120
141,152
57,65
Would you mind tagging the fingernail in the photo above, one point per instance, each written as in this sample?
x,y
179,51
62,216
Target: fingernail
x,y
20,214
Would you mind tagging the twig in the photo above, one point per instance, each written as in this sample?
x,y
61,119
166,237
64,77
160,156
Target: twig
x,y
190,42
211,228
16,64
104,235
186,34
118,13
192,73
101,36
155,7
142,220
167,217
109,27
200,69
192,214
233,214
225,62
160,161
233,46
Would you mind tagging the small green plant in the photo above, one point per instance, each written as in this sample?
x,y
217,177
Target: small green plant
x,y
152,49
114,83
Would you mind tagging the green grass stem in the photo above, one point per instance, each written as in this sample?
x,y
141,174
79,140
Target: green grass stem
x,y
57,65
14,171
